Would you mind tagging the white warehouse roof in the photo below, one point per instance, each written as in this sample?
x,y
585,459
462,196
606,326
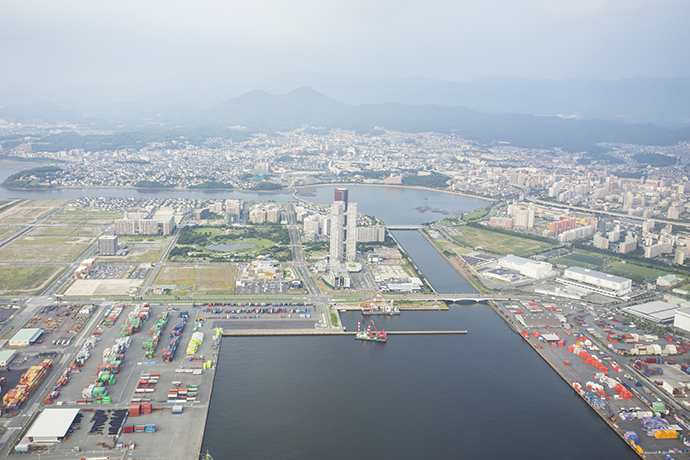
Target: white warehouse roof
x,y
51,425
657,311
596,274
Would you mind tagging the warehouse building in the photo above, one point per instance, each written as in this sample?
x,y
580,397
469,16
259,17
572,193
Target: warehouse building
x,y
25,337
594,281
526,267
681,319
51,426
6,357
655,312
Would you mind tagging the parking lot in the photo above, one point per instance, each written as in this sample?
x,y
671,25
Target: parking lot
x,y
262,287
108,271
139,273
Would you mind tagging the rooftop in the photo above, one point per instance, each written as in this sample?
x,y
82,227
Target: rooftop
x,y
596,274
27,334
52,423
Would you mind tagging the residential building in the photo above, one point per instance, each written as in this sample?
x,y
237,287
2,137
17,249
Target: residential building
x,y
107,245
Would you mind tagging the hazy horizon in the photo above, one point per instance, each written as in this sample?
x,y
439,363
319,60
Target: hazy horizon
x,y
180,52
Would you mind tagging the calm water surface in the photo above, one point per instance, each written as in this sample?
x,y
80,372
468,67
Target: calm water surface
x,y
481,395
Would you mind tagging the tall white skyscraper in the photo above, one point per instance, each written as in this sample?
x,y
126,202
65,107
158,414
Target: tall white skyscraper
x,y
337,231
351,248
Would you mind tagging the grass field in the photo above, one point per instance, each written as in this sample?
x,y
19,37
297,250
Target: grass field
x,y
30,249
499,243
24,280
217,280
635,272
577,259
30,211
7,232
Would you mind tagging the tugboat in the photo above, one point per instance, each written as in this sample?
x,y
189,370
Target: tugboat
x,y
376,336
379,307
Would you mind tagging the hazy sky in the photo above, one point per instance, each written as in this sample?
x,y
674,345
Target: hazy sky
x,y
59,43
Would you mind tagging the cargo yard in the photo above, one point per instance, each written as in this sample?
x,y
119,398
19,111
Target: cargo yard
x,y
131,376
141,376
639,397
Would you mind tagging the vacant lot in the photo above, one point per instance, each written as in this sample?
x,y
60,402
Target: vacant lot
x,y
25,280
499,243
64,231
577,259
636,273
30,211
89,216
102,287
30,249
7,232
217,280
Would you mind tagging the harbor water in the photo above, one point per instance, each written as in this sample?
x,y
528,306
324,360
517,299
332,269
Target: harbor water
x,y
481,395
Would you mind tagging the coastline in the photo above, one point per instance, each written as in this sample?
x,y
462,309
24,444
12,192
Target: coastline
x,y
560,374
332,184
515,329
286,189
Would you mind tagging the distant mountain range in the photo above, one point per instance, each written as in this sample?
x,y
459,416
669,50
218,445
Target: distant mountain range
x,y
258,111
663,101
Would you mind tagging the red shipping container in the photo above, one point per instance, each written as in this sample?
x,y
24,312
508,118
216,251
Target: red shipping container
x,y
134,410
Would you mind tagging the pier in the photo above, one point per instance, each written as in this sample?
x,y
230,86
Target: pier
x,y
312,333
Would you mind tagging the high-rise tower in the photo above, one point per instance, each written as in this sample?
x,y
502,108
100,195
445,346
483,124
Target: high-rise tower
x,y
351,239
340,194
337,230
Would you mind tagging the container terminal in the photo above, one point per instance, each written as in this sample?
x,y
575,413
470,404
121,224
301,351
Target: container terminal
x,y
640,397
133,377
137,375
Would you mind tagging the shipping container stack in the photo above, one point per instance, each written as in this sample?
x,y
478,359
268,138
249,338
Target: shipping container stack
x,y
135,319
110,317
113,357
147,383
217,337
589,359
194,343
171,349
62,381
29,380
155,333
646,369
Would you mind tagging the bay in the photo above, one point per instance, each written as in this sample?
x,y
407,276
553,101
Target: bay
x,y
482,395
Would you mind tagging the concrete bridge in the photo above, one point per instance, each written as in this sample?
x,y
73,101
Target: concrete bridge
x,y
472,297
403,227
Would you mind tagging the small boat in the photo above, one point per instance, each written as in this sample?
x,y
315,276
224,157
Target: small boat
x,y
207,456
